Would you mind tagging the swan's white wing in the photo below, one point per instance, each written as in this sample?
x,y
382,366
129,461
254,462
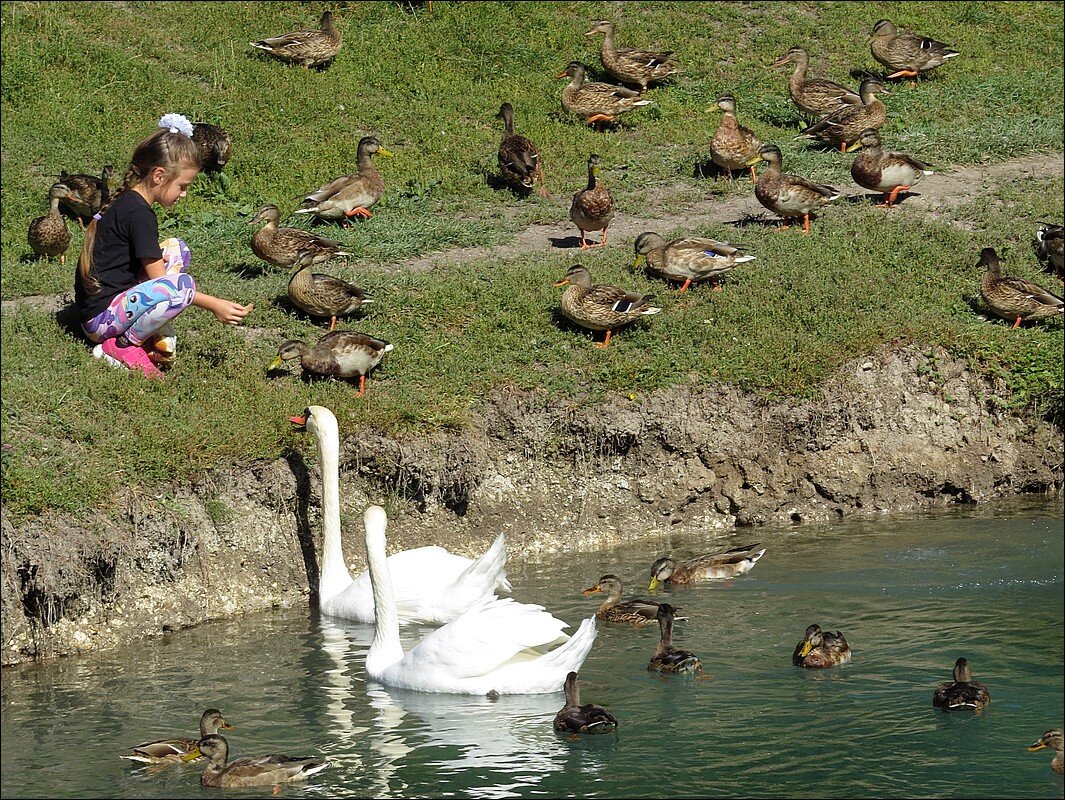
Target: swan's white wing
x,y
484,638
475,584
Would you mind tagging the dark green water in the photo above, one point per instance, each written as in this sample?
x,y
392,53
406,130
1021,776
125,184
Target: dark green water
x,y
911,595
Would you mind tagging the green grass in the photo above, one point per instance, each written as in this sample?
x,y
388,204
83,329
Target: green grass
x,y
82,84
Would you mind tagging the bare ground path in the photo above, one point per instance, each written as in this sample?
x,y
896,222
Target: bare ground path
x,y
937,194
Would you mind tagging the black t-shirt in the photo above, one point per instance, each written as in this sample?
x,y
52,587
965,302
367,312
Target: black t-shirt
x,y
126,233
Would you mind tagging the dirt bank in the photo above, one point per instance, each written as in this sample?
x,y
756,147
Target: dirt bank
x,y
899,431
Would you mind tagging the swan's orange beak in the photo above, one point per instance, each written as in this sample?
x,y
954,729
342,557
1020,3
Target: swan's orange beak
x,y
301,421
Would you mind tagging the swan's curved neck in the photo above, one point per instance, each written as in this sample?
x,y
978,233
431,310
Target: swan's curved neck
x,y
385,649
334,577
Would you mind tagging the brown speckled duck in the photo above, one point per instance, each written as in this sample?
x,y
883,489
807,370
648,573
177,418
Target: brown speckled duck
x,y
519,159
845,126
963,691
48,235
167,752
601,306
789,195
733,146
215,145
884,170
255,771
350,195
596,102
88,193
712,566
323,295
688,260
1016,299
309,48
629,65
813,95
338,354
906,53
819,649
636,611
593,206
1050,246
668,658
1054,739
281,246
575,718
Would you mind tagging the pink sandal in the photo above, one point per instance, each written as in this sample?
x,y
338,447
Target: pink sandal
x,y
133,357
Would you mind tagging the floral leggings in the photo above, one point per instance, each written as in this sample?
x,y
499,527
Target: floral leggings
x,y
139,312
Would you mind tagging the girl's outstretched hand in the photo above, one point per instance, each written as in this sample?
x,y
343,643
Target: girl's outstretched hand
x,y
230,313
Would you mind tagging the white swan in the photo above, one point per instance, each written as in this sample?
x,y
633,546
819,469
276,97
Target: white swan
x,y
489,648
432,585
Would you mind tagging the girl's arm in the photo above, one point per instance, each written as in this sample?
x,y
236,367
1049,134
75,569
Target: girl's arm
x,y
226,311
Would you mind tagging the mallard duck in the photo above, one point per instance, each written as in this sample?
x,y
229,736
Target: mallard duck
x,y
712,566
281,246
216,146
635,611
48,235
307,48
254,771
164,752
789,195
589,718
600,306
689,260
350,195
906,53
338,354
815,96
843,127
820,649
668,658
629,65
1052,738
88,193
1050,245
323,295
1015,298
519,160
733,146
596,102
884,170
963,691
593,206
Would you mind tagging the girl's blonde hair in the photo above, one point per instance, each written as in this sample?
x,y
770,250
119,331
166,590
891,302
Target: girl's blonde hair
x,y
171,151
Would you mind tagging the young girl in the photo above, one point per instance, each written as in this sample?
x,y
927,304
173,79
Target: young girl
x,y
128,285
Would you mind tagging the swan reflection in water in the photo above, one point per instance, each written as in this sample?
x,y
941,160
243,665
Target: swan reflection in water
x,y
499,745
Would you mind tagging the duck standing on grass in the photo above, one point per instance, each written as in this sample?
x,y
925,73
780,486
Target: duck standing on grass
x,y
338,354
1050,246
48,235
1013,298
817,97
88,193
519,159
789,195
905,52
216,146
596,102
629,65
733,146
601,306
308,48
845,126
884,171
589,718
281,246
323,295
592,207
689,260
350,195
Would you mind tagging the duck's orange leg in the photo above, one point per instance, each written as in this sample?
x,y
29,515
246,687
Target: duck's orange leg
x,y
687,283
889,200
805,223
904,73
598,118
332,322
1017,324
754,176
362,386
358,212
606,341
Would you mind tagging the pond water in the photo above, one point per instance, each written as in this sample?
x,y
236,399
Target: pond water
x,y
910,594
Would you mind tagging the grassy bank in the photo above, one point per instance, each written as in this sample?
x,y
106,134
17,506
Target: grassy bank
x,y
81,85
